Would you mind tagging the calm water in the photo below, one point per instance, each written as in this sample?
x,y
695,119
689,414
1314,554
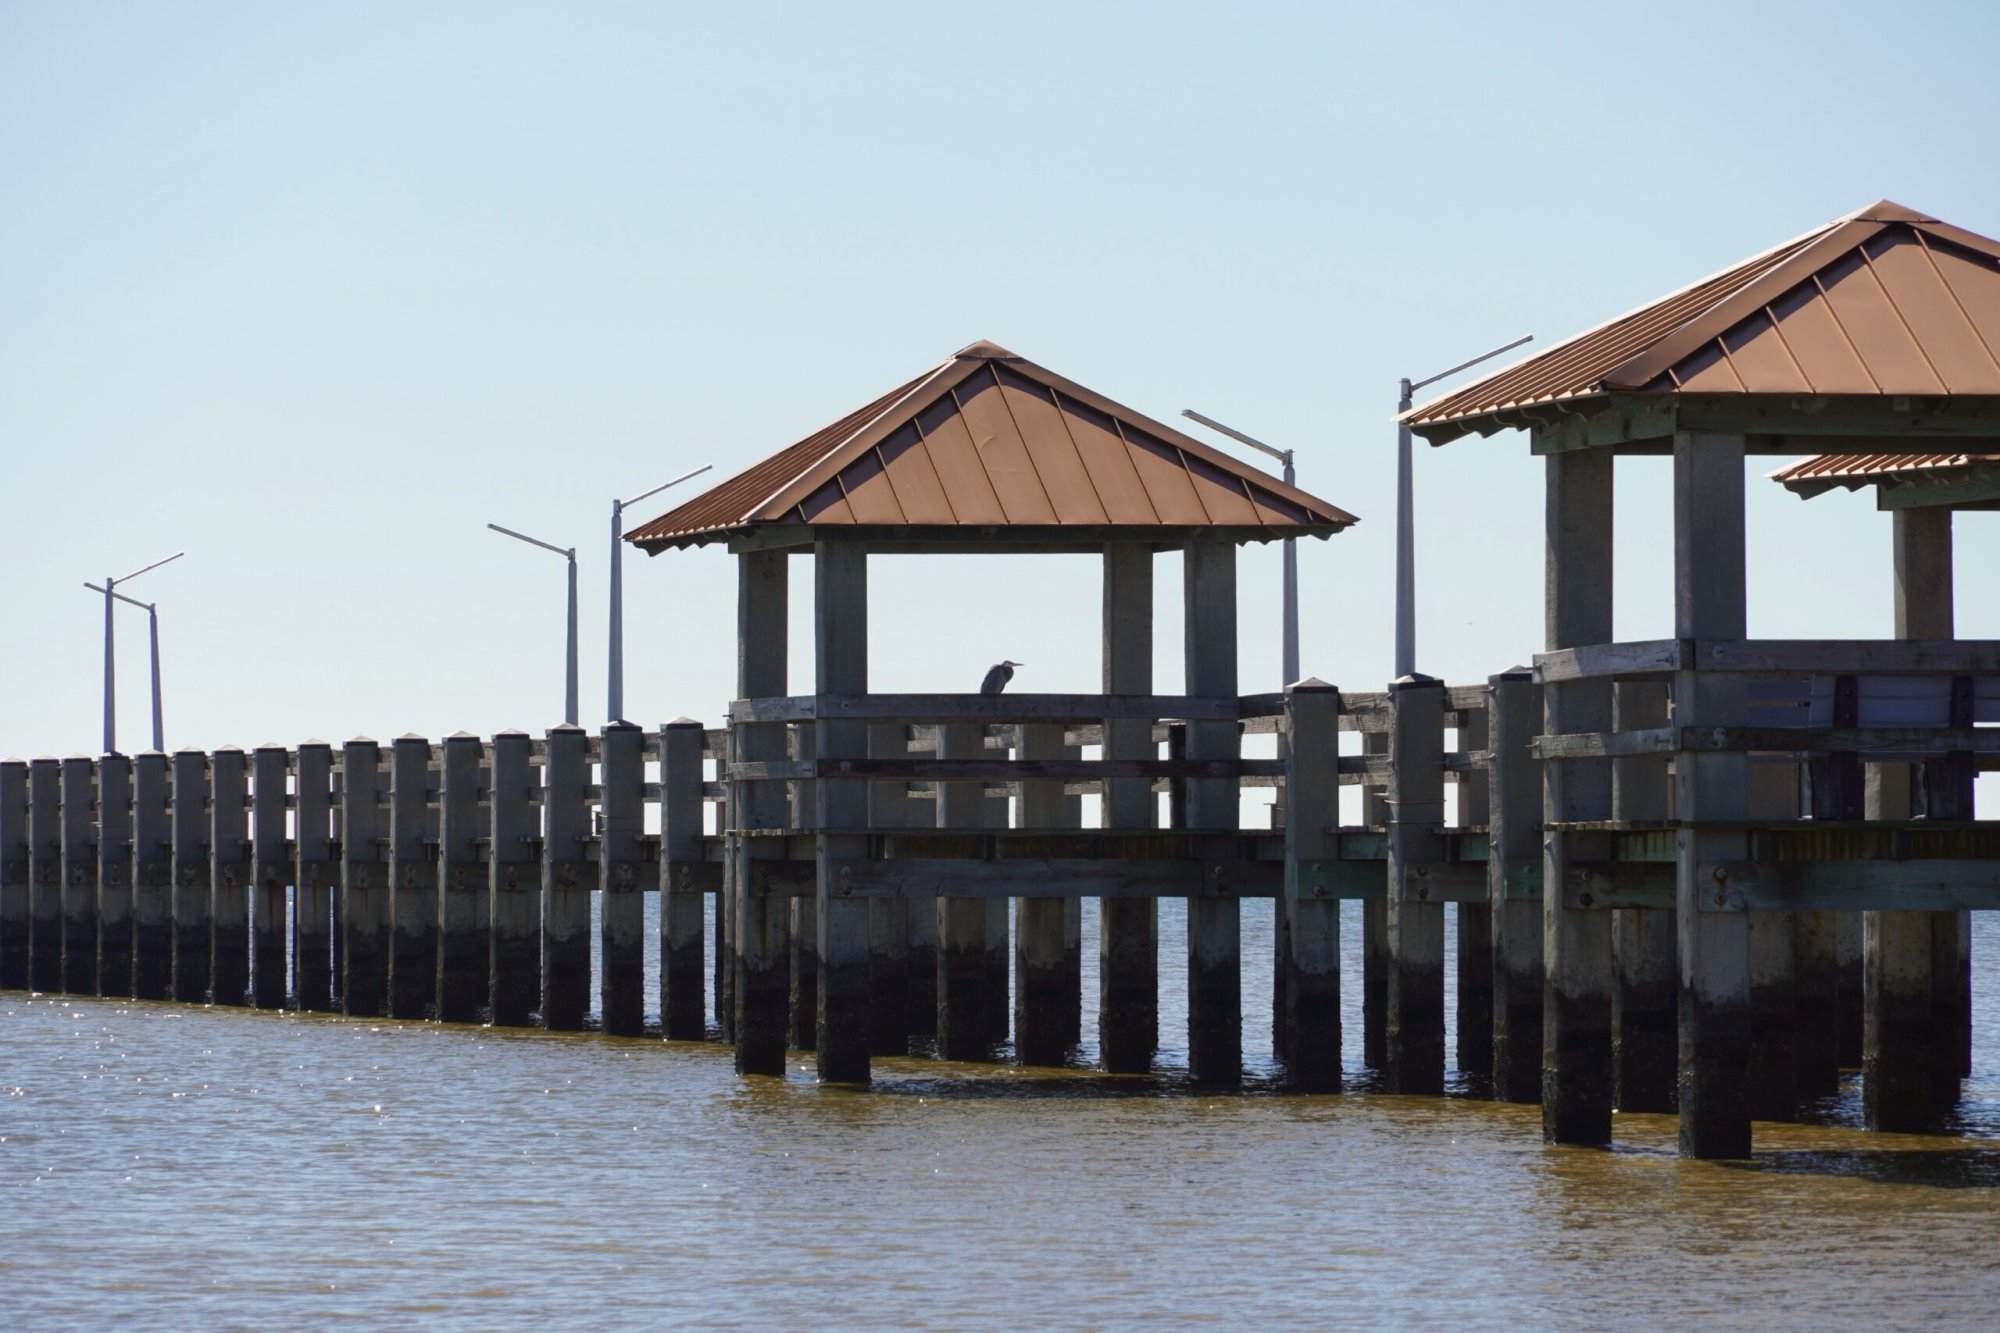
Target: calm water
x,y
171,1166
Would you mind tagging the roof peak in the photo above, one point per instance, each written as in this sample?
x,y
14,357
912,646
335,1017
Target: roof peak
x,y
983,350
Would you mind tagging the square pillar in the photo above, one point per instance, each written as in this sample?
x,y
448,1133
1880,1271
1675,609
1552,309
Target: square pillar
x,y
270,872
567,879
902,979
13,875
1475,920
363,916
1576,942
1375,922
1415,916
1514,833
1128,929
621,910
1644,1005
1310,1030
315,875
758,923
413,881
1215,982
971,1019
840,641
79,875
464,908
114,874
1048,976
514,884
683,1010
190,896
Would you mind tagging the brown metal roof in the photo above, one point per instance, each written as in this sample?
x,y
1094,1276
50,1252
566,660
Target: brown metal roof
x,y
1824,472
1883,302
990,440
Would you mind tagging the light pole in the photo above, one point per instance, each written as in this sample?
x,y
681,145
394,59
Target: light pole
x,y
1406,549
614,685
569,672
1291,631
153,624
110,656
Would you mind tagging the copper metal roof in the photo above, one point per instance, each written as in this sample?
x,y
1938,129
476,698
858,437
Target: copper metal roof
x,y
1883,302
989,440
1823,472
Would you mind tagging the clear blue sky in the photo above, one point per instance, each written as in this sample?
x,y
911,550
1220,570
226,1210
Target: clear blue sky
x,y
316,291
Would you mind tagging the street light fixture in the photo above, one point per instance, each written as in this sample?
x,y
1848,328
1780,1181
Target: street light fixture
x,y
1406,550
1291,631
153,618
111,658
569,674
614,685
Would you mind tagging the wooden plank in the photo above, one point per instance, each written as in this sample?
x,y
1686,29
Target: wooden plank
x,y
1653,657
998,770
1606,744
1851,657
1873,743
1943,885
1001,708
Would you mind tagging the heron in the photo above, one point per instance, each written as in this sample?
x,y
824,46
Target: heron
x,y
997,678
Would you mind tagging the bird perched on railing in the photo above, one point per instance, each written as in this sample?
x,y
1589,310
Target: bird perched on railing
x,y
997,678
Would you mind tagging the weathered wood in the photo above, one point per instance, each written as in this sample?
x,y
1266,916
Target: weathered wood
x,y
1128,931
681,1000
1645,1004
999,770
620,862
1618,661
840,642
567,879
316,875
902,950
1475,918
1215,998
464,931
14,878
1415,996
79,876
1048,976
1710,603
229,876
1375,920
803,928
1915,656
1771,1085
270,872
1608,745
1576,1041
1871,743
113,945
988,709
1817,970
514,884
190,896
1513,718
970,1024
363,918
1310,1049
758,927
413,882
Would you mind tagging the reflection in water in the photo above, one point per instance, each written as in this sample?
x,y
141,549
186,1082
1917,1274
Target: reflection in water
x,y
196,1166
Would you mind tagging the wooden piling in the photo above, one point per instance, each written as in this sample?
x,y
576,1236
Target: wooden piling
x,y
316,877
464,919
14,878
114,876
229,875
620,856
965,1015
270,871
191,877
1215,996
1576,1021
1311,1028
1415,996
1771,1079
1710,788
413,892
1375,925
567,878
1817,1052
840,634
363,914
896,1012
802,1006
79,876
514,883
1474,920
1645,1003
682,1011
1128,929
759,921
1048,980
152,878
1513,711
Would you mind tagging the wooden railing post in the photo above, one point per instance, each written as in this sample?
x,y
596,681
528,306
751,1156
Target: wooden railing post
x,y
413,883
1311,1027
229,871
1215,946
759,921
1645,1004
803,929
316,878
464,912
1375,923
682,1003
270,872
363,912
966,939
622,908
514,967
1416,915
13,875
79,876
1048,979
114,876
840,652
190,898
895,1010
1474,920
566,881
1513,712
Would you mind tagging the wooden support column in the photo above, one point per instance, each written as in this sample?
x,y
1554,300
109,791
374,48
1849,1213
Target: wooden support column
x,y
413,884
1944,790
1910,1056
1475,920
363,913
966,1027
1847,945
1576,944
229,875
79,876
464,913
13,875
622,904
1710,603
1048,978
1771,1084
1375,924
682,1003
316,877
1310,1032
1514,711
892,1013
803,1004
45,875
1817,1049
152,878
840,634
1415,999
270,872
1645,1006
190,899
1215,981
514,890
758,922
567,878
113,945
1128,929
